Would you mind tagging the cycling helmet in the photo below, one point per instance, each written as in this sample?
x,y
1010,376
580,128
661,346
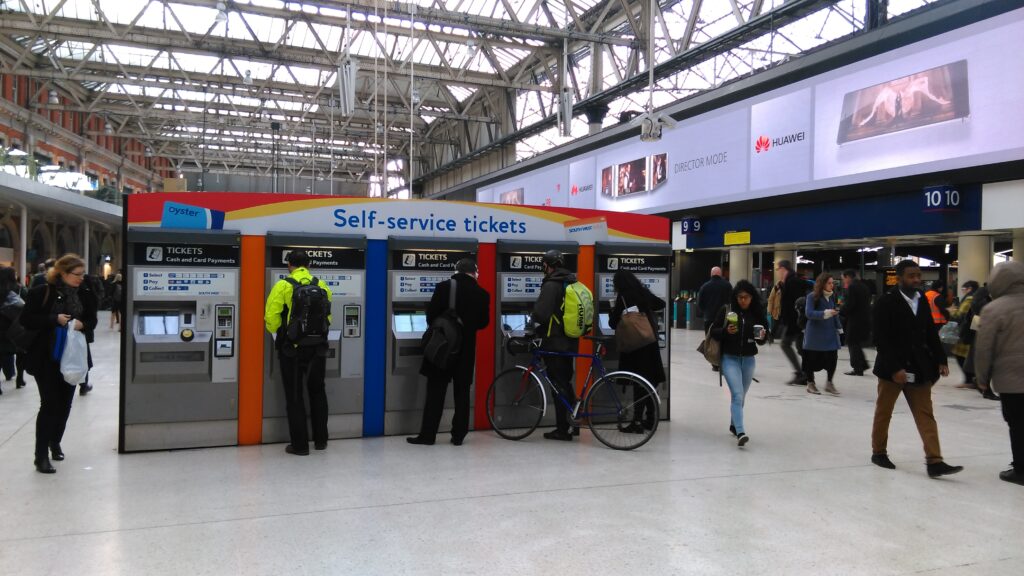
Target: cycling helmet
x,y
553,258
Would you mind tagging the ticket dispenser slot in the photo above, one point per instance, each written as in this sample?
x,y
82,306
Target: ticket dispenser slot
x,y
416,266
651,264
180,381
340,262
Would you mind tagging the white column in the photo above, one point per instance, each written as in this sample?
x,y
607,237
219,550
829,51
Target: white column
x,y
974,258
1018,244
740,264
85,246
23,244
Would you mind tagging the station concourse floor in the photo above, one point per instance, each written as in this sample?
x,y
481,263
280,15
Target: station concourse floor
x,y
801,498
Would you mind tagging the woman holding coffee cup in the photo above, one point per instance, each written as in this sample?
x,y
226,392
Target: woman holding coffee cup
x,y
740,329
821,337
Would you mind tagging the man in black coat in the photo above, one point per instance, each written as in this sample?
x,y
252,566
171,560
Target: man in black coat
x,y
910,360
793,288
472,305
714,294
856,311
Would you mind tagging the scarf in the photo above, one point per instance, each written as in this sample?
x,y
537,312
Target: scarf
x,y
71,304
828,295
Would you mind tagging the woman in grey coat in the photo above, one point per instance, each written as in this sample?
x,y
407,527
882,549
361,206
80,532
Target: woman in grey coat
x,y
999,355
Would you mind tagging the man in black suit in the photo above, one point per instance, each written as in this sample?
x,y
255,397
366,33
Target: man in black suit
x,y
472,305
910,360
715,293
856,311
793,288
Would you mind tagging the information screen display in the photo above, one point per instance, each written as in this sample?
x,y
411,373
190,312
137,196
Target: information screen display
x,y
159,323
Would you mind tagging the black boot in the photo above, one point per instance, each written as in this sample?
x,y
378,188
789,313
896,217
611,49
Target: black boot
x,y
43,466
55,452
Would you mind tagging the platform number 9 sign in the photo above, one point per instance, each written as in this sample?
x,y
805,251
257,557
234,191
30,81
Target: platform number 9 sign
x,y
691,225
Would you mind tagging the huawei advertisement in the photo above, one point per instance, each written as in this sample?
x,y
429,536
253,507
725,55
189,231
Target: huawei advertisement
x,y
949,102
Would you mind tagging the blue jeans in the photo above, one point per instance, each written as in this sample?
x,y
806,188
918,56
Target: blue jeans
x,y
738,372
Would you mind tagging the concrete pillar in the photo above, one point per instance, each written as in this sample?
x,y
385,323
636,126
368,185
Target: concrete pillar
x,y
86,232
23,243
740,264
974,258
784,255
1018,244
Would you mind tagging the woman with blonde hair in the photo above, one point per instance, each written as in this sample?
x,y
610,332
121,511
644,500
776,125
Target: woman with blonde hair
x,y
64,299
821,337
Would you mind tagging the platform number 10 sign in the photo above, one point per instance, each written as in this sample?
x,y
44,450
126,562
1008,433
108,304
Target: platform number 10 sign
x,y
691,226
941,198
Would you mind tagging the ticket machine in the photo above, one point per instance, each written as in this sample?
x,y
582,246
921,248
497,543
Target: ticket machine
x,y
651,263
520,275
179,383
416,266
340,261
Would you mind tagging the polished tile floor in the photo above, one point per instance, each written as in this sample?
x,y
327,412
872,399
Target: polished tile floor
x,y
801,498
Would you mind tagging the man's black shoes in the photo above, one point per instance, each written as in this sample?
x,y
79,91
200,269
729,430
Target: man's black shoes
x,y
419,441
883,461
1012,476
291,450
558,435
854,373
320,445
942,469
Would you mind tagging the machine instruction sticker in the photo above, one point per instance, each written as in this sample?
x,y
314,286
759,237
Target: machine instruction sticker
x,y
523,287
416,286
184,284
433,260
648,264
342,284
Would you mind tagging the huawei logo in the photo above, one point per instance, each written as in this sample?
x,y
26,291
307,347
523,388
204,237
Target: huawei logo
x,y
762,144
575,190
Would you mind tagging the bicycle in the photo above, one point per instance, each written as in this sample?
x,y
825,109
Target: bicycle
x,y
620,408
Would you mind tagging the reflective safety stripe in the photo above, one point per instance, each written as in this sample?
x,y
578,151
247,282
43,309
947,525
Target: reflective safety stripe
x,y
937,316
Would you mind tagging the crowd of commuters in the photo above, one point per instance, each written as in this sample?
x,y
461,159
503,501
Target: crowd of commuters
x,y
905,324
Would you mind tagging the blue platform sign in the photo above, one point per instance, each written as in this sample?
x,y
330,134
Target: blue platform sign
x,y
941,199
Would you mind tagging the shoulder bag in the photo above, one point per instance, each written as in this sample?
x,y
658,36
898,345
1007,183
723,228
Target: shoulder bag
x,y
634,330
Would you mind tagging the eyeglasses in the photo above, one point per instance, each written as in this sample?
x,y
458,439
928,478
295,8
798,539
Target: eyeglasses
x,y
79,274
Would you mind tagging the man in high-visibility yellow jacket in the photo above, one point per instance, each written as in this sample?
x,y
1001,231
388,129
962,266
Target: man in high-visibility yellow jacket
x,y
305,359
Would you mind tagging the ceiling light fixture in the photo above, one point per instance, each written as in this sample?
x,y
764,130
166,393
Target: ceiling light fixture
x,y
108,128
222,13
54,98
247,79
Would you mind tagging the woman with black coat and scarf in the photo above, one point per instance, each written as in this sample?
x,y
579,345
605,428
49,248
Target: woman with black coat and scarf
x,y
645,361
62,299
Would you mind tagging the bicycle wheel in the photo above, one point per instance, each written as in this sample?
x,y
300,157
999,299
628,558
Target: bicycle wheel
x,y
515,403
622,410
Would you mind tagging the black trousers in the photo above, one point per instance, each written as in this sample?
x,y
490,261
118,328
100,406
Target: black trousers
x,y
815,360
858,361
305,371
791,335
1013,413
433,407
560,371
55,397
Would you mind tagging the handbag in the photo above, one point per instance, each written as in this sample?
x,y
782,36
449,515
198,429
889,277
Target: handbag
x,y
711,348
634,330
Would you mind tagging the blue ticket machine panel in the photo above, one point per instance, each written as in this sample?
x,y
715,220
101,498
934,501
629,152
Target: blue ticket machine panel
x,y
339,261
180,382
416,266
651,264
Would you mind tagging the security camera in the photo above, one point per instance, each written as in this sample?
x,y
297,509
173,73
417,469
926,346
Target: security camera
x,y
651,125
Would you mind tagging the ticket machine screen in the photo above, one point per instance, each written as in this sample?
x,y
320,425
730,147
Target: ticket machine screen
x,y
410,322
159,323
603,320
515,321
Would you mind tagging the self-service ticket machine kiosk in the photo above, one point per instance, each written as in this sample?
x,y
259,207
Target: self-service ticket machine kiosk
x,y
180,377
651,263
340,261
520,275
416,266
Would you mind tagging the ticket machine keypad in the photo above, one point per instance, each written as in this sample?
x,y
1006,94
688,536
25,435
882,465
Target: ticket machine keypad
x,y
224,343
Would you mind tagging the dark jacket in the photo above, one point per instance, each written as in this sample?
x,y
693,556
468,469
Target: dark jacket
x,y
473,306
9,314
793,288
547,313
741,343
821,334
41,316
856,311
715,293
906,342
644,361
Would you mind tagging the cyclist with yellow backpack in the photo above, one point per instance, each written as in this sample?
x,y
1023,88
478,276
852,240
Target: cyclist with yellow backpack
x,y
564,311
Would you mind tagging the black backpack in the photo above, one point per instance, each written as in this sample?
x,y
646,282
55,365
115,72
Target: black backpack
x,y
308,323
801,312
443,339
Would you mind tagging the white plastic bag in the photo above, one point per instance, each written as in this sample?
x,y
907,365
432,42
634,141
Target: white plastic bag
x,y
74,363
